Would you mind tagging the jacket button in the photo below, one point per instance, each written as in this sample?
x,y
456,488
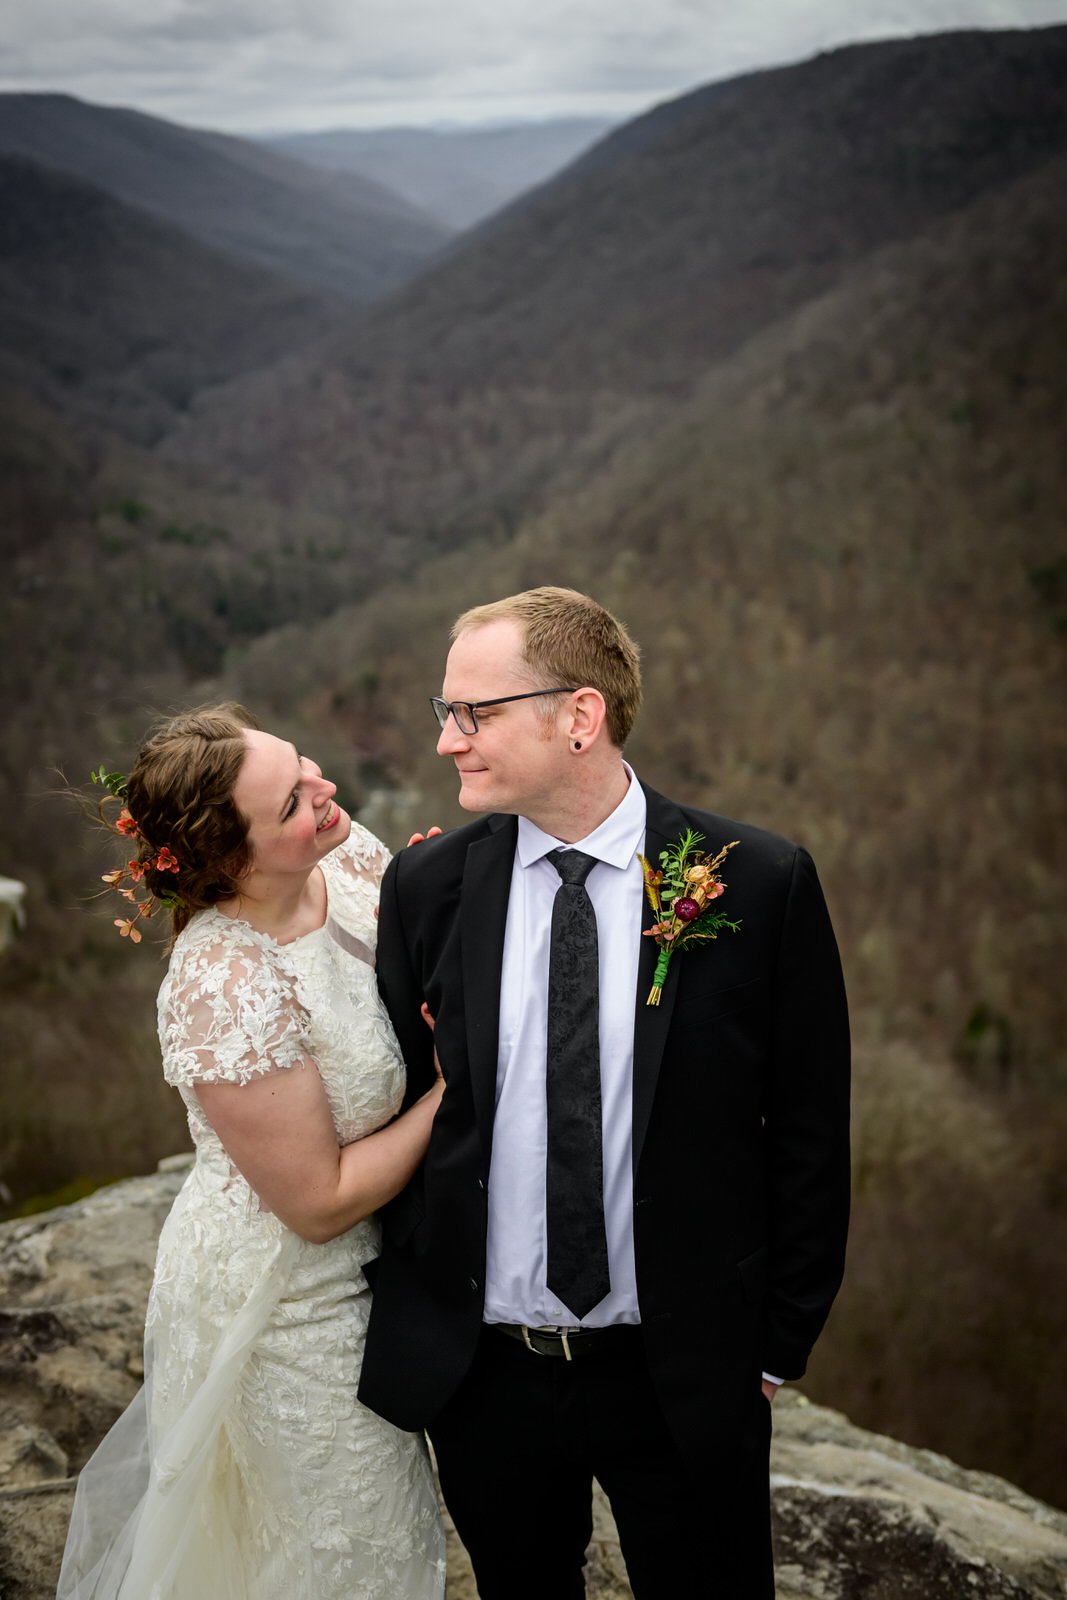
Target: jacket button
x,y
481,1184
474,1285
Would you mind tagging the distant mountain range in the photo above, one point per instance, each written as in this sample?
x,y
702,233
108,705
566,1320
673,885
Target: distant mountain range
x,y
336,233
543,341
458,175
621,282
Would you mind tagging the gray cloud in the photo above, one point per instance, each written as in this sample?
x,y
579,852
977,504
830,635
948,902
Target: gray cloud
x,y
256,64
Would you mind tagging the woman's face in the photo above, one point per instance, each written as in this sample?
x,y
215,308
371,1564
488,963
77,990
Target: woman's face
x,y
294,819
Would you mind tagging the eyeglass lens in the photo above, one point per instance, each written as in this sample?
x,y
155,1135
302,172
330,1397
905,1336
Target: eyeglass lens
x,y
460,709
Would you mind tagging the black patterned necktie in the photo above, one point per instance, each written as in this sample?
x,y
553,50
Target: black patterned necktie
x,y
577,1240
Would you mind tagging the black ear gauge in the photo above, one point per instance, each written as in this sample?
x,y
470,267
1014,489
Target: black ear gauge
x,y
577,744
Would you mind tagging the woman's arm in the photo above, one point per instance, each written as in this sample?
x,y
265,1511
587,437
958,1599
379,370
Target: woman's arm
x,y
279,1134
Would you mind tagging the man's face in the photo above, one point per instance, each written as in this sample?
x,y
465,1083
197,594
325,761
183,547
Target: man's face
x,y
515,762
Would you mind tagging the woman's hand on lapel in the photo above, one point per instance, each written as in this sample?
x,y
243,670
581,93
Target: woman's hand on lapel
x,y
417,838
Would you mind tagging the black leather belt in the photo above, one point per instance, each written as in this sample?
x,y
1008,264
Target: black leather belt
x,y
570,1346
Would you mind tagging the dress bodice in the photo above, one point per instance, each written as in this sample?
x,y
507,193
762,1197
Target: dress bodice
x,y
236,1005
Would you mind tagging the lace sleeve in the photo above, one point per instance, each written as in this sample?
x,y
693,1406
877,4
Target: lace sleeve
x,y
229,1012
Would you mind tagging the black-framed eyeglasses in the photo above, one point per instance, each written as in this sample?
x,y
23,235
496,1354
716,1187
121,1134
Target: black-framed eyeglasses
x,y
465,712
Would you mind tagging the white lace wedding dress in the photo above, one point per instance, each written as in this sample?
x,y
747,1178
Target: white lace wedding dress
x,y
246,1469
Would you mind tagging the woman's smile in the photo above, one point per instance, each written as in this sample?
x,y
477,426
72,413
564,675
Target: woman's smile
x,y
332,813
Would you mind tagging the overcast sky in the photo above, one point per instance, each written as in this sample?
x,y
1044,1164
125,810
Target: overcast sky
x,y
264,65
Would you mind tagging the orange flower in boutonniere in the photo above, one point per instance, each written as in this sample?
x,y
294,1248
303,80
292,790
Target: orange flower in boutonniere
x,y
682,893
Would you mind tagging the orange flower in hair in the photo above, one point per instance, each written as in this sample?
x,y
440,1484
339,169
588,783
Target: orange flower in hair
x,y
165,861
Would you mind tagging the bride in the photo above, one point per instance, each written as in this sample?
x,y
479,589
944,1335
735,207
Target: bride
x,y
246,1469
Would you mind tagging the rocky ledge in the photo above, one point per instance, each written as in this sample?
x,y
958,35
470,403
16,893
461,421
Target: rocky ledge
x,y
856,1514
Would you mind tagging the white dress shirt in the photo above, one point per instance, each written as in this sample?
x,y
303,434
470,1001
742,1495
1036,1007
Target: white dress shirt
x,y
515,1286
516,1290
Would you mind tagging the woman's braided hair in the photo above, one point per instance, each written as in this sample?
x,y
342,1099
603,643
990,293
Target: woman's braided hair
x,y
180,794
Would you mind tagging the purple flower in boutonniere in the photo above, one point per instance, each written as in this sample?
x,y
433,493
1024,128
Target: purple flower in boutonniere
x,y
681,893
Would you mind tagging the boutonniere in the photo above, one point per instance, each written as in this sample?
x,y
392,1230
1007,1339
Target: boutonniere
x,y
682,893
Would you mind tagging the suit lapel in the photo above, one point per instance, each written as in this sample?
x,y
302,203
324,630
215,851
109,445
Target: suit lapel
x,y
664,823
482,920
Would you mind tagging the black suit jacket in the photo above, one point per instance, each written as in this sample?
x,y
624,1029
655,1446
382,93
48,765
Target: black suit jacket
x,y
740,1127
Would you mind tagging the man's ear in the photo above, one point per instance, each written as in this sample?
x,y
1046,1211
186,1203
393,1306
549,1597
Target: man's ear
x,y
588,719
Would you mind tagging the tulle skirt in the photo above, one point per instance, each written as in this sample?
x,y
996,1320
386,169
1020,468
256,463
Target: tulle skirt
x,y
245,1468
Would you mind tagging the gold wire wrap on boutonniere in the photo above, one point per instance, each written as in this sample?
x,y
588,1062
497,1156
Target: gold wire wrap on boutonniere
x,y
682,893
159,859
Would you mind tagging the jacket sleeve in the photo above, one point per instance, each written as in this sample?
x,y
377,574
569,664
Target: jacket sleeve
x,y
806,1126
399,986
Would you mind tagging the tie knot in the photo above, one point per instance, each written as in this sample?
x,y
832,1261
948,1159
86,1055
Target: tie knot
x,y
573,866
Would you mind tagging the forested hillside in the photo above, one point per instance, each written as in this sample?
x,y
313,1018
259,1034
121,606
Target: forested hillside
x,y
119,319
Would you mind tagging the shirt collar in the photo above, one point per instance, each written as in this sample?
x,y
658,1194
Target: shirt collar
x,y
616,841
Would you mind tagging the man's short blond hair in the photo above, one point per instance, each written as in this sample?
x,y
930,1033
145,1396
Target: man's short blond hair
x,y
570,640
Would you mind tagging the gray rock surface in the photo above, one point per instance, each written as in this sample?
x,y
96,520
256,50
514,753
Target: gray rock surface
x,y
857,1516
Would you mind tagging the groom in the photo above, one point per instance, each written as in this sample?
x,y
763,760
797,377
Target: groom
x,y
630,1223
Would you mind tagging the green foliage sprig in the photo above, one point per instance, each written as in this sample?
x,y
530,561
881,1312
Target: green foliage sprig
x,y
114,781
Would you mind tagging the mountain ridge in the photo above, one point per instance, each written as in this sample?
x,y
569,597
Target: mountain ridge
x,y
624,279
120,318
459,175
341,236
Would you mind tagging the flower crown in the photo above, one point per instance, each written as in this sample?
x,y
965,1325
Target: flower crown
x,y
161,859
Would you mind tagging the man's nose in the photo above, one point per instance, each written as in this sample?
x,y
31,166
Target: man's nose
x,y
452,739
